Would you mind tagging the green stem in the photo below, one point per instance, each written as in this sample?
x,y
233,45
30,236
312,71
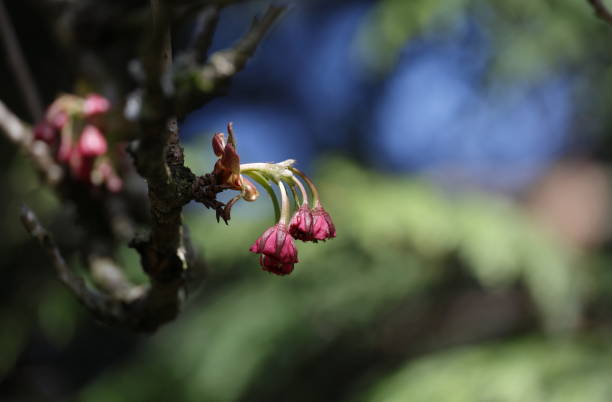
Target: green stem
x,y
247,167
285,209
264,183
302,190
313,188
293,192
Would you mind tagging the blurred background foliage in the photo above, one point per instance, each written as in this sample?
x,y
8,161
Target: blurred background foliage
x,y
462,148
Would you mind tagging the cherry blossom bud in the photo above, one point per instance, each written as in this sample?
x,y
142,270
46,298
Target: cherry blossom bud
x,y
92,142
57,118
65,149
277,249
44,131
95,104
105,173
322,226
81,167
300,226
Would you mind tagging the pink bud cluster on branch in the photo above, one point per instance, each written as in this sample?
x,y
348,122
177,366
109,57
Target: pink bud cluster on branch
x,y
304,219
74,129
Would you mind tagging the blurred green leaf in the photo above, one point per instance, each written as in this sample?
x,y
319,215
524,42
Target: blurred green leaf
x,y
516,371
394,234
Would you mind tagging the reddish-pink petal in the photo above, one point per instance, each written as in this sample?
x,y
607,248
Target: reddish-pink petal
x,y
277,249
301,224
58,119
44,131
275,266
322,228
95,104
92,142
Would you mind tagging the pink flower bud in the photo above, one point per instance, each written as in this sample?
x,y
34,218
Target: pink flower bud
x,y
45,132
57,118
271,264
322,226
65,149
92,142
300,226
81,167
277,249
107,174
95,104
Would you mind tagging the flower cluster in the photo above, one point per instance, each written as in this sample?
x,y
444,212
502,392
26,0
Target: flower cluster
x,y
74,129
309,221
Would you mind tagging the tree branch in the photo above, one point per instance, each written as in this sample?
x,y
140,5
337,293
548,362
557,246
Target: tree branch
x,y
198,84
159,159
166,255
21,135
136,307
206,25
601,11
102,306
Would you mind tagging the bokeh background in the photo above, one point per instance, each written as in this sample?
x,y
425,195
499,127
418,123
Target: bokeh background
x,y
462,148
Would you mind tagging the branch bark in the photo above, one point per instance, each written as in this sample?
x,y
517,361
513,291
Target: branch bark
x,y
205,29
21,135
601,11
165,253
197,84
100,305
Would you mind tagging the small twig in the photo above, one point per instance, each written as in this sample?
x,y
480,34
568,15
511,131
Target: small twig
x,y
205,28
99,304
109,277
21,135
139,308
196,85
601,11
245,48
19,65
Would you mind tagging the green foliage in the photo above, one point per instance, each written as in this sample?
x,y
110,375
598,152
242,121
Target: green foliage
x,y
518,371
394,238
564,30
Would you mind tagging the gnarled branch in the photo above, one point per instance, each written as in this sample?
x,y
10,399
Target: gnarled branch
x,y
165,253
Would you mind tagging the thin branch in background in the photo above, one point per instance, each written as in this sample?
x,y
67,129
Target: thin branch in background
x,y
601,11
21,135
19,65
137,307
206,25
245,48
158,156
99,304
226,63
197,84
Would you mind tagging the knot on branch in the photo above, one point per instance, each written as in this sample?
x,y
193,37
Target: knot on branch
x,y
205,190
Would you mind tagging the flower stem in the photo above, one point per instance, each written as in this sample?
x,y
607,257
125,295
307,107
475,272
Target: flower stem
x,y
247,167
313,188
285,209
296,198
264,183
302,190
